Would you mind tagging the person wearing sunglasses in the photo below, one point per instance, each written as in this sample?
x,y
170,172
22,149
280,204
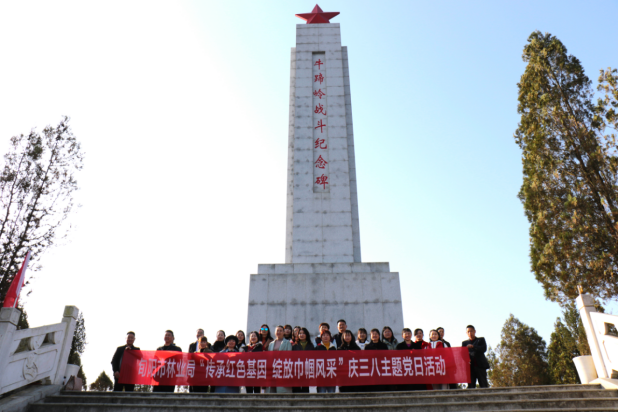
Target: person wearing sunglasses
x,y
265,337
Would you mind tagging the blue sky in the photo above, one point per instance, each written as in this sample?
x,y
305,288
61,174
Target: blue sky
x,y
182,109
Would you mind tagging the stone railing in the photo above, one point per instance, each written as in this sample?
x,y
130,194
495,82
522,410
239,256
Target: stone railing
x,y
602,365
34,354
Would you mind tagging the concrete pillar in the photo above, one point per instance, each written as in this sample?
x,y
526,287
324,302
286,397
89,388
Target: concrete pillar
x,y
585,305
9,317
70,319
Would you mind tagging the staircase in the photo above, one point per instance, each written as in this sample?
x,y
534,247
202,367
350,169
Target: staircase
x,y
535,398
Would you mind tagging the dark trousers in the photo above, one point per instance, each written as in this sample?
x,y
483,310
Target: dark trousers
x,y
300,389
478,374
253,390
199,389
119,387
163,389
349,389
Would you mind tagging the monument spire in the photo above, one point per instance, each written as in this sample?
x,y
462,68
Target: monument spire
x,y
317,16
323,278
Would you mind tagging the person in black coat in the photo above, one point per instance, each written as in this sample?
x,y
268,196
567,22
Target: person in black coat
x,y
479,362
169,346
341,328
326,344
117,362
219,344
203,347
254,346
441,332
348,343
375,344
193,347
303,343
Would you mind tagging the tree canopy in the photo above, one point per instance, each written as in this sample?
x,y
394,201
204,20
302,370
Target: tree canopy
x,y
103,383
520,359
569,158
37,181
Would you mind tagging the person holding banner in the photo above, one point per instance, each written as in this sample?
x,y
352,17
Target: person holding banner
x,y
254,346
441,332
203,347
117,362
348,343
231,343
168,346
375,344
326,345
406,344
280,344
303,344
479,362
435,342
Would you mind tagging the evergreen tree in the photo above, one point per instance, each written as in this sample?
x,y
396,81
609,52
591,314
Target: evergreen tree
x,y
78,346
569,340
520,359
103,383
569,188
22,324
561,350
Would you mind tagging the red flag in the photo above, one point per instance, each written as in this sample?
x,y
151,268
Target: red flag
x,y
13,294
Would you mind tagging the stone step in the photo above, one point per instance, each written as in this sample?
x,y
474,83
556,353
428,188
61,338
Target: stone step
x,y
600,404
363,394
344,399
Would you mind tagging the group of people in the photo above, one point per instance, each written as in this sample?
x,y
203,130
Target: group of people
x,y
298,338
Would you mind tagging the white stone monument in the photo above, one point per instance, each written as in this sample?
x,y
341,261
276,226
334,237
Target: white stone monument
x,y
323,279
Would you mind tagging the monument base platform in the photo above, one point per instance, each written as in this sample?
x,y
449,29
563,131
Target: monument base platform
x,y
364,294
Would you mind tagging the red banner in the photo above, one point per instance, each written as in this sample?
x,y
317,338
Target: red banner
x,y
296,369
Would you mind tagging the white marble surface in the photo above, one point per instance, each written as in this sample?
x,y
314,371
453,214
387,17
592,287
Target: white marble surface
x,y
33,354
364,294
323,279
322,224
604,346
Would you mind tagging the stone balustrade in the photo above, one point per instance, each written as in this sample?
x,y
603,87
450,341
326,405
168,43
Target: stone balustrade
x,y
34,354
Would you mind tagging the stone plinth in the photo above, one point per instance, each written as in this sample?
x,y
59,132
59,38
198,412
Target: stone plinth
x,y
364,294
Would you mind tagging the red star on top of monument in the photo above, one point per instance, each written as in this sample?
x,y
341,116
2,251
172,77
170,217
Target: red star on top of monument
x,y
317,16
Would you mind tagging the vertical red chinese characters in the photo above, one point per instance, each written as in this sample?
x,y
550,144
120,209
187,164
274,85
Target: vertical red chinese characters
x,y
319,118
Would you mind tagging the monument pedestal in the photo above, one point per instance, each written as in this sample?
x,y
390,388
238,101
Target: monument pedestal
x,y
364,294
